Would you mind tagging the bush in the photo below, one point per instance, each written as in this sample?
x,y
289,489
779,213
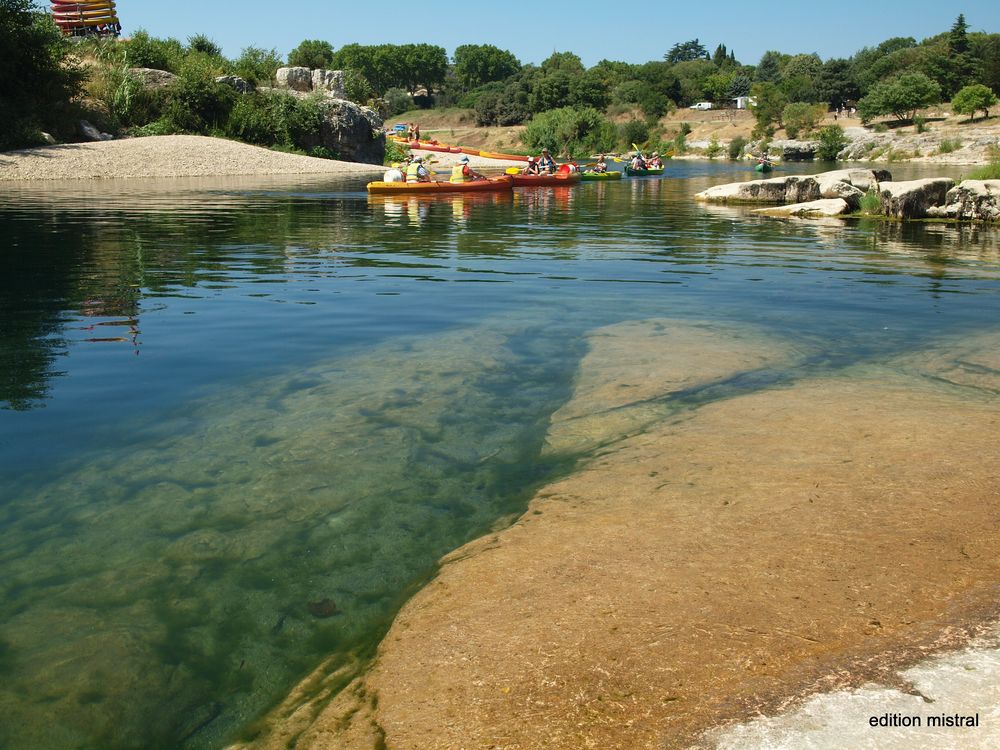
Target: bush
x,y
871,204
145,51
312,53
800,118
395,152
201,43
195,103
257,65
35,82
831,142
398,101
714,149
570,131
920,123
125,96
357,88
633,131
948,145
276,119
736,147
506,107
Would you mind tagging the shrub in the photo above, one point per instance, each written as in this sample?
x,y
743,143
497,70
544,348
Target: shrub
x,y
801,118
356,87
570,131
736,147
633,131
201,43
714,149
948,145
195,102
920,123
397,101
125,95
831,142
395,152
312,53
871,203
35,82
506,107
276,119
257,65
145,51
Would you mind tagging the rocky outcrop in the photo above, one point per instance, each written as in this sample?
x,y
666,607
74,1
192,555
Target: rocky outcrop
x,y
913,198
239,85
295,78
352,132
794,150
847,184
330,83
977,200
152,78
822,207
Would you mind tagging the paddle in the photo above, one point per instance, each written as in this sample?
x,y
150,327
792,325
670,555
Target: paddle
x,y
512,170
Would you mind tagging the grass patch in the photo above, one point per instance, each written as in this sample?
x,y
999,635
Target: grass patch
x,y
989,171
871,203
948,145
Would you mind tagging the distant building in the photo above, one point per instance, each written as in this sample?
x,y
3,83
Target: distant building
x,y
745,102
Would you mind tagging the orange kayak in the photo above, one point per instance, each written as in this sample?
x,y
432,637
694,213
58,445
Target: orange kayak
x,y
560,178
509,157
433,188
435,146
469,151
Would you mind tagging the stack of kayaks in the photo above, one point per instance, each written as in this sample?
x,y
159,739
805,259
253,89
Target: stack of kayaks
x,y
600,176
504,182
643,172
91,17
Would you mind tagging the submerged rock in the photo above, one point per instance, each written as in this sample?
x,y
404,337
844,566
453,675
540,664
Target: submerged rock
x,y
912,199
970,199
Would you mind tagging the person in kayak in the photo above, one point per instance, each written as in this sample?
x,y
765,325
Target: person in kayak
x,y
532,167
394,174
637,161
462,172
601,166
546,162
417,172
655,162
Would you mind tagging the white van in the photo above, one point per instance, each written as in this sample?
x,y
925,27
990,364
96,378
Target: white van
x,y
701,105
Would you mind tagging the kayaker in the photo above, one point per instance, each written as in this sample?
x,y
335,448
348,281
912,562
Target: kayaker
x,y
601,166
532,167
394,174
546,162
417,172
637,161
655,162
462,172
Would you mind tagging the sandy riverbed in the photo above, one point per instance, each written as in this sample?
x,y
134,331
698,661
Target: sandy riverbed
x,y
163,156
708,566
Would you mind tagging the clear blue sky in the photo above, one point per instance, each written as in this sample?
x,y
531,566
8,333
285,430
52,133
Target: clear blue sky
x,y
533,30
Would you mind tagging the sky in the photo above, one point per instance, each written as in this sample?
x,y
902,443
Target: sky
x,y
534,30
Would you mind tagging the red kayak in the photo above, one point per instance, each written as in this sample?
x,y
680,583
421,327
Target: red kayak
x,y
559,178
434,188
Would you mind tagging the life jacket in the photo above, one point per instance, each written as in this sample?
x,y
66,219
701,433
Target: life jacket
x,y
458,173
413,172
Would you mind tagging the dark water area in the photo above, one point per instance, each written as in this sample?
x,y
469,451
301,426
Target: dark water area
x,y
240,420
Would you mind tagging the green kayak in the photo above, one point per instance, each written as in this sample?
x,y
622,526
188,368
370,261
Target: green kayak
x,y
601,175
764,167
642,172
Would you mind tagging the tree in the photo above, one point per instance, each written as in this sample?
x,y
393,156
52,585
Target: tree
x,y
831,142
476,64
962,68
717,85
201,43
739,86
801,117
256,64
769,67
686,51
834,83
422,65
566,62
958,42
986,50
35,84
312,53
570,131
767,111
901,96
973,98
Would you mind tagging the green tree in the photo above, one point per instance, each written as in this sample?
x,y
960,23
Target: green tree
x,y
736,146
716,86
831,142
973,98
768,70
566,62
588,90
256,64
739,86
568,131
476,64
423,65
962,68
312,53
35,81
686,51
770,103
900,96
834,83
550,91
800,118
986,50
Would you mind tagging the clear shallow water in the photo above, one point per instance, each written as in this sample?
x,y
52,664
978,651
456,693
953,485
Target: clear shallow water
x,y
242,419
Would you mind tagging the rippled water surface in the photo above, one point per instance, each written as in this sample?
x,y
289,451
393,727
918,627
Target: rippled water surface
x,y
242,419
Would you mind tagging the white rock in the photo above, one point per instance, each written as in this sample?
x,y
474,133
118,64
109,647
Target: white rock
x,y
971,199
822,207
295,78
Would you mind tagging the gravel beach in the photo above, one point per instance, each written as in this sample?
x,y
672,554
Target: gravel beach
x,y
163,156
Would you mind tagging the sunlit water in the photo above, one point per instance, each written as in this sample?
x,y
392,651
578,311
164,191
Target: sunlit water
x,y
243,419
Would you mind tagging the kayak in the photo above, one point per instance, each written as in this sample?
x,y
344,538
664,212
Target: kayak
x,y
439,147
535,180
589,176
763,167
441,186
469,151
509,157
643,172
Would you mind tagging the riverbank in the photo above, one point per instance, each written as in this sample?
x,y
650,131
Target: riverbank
x,y
164,156
677,582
